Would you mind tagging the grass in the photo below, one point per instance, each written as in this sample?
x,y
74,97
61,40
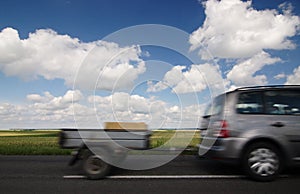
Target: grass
x,y
172,138
30,143
45,142
31,133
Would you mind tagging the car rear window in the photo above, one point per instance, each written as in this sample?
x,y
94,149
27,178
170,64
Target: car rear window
x,y
216,106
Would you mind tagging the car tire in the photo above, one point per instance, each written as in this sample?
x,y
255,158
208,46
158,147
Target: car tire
x,y
262,161
94,167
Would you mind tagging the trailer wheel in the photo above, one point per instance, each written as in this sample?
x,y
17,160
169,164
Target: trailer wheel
x,y
94,167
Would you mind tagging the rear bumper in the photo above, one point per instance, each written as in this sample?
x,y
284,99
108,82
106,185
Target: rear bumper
x,y
222,148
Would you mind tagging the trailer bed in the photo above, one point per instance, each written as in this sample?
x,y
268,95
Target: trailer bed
x,y
74,138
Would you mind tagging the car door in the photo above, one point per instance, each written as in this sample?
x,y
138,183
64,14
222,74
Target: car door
x,y
283,109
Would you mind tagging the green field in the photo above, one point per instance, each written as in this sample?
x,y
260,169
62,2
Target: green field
x,y
180,138
45,142
30,143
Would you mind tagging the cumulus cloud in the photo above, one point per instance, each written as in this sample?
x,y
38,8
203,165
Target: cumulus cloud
x,y
49,102
280,76
294,79
44,111
7,109
171,78
75,110
156,113
109,67
50,55
132,104
187,80
244,73
234,29
38,98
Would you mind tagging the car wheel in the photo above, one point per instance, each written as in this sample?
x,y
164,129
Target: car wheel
x,y
94,167
262,161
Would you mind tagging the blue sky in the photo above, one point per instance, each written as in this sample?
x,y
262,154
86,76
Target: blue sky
x,y
91,20
46,45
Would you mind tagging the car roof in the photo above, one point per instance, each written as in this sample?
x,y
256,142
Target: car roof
x,y
260,88
270,87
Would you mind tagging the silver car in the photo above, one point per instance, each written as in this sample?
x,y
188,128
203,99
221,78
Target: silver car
x,y
257,127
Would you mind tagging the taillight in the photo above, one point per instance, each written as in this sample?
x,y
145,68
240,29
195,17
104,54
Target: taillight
x,y
224,131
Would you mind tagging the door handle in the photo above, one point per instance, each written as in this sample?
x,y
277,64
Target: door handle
x,y
277,124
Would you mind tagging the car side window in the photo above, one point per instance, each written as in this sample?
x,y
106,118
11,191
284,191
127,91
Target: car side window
x,y
250,103
283,102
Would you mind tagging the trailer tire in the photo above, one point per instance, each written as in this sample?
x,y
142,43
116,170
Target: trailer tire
x,y
94,167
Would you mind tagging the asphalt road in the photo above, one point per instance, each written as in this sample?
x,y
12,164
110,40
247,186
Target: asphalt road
x,y
185,174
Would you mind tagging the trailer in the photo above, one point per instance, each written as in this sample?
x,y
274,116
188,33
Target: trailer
x,y
99,149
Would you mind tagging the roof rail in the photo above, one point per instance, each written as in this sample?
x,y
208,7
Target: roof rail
x,y
268,86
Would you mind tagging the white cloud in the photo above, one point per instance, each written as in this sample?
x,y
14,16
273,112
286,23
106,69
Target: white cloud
x,y
69,97
156,113
51,55
194,79
234,29
124,102
42,111
7,109
171,78
51,103
286,8
36,98
49,111
109,67
294,79
280,76
244,73
122,106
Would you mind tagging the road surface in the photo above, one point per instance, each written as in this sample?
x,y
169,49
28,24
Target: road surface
x,y
186,174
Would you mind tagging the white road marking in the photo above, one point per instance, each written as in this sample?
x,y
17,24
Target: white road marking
x,y
74,177
161,177
175,176
166,176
